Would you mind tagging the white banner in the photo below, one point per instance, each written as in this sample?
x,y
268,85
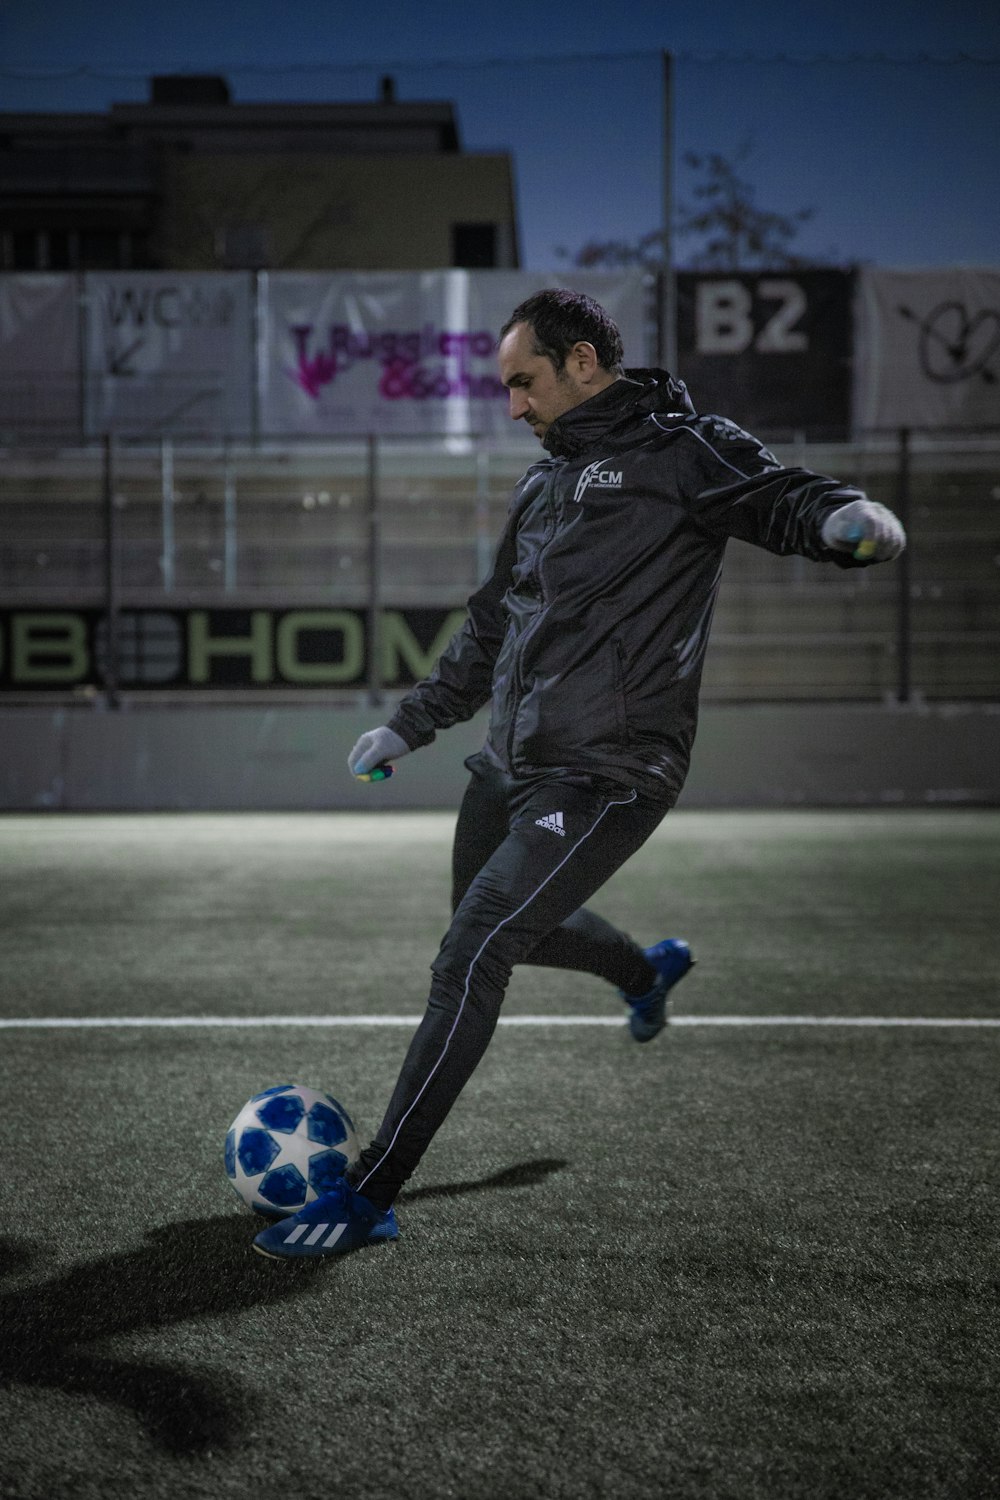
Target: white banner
x,y
405,352
928,349
40,376
169,353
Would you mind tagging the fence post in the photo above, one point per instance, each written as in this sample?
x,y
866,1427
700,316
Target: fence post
x,y
374,631
228,521
167,513
83,384
111,575
484,541
904,623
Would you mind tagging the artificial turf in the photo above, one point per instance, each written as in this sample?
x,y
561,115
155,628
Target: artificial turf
x,y
740,1262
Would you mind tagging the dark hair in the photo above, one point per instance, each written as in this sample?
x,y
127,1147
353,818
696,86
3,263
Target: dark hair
x,y
559,319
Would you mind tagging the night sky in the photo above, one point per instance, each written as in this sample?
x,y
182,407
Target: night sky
x,y
899,159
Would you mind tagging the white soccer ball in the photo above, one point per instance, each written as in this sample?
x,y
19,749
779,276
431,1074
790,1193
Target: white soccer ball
x,y
286,1146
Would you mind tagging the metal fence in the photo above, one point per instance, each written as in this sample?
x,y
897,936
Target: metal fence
x,y
300,570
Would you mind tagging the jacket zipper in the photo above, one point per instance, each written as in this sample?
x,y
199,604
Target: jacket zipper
x,y
518,650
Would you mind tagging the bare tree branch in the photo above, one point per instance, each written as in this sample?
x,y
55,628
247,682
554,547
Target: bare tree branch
x,y
729,231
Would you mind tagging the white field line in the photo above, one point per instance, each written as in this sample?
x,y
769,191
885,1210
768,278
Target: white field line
x,y
83,1023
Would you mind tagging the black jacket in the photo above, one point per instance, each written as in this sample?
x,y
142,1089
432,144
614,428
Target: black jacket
x,y
589,637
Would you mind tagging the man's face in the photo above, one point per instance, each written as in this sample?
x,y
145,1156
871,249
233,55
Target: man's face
x,y
539,393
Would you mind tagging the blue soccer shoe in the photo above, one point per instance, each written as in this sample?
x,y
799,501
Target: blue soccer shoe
x,y
650,1012
333,1224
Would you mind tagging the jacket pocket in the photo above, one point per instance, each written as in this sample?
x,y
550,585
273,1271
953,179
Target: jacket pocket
x,y
621,705
578,709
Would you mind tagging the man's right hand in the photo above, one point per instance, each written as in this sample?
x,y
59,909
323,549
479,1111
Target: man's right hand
x,y
375,748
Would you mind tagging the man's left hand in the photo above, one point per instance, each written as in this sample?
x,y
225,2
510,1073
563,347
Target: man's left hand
x,y
869,531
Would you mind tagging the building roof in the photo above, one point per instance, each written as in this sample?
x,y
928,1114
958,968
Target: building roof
x,y
200,107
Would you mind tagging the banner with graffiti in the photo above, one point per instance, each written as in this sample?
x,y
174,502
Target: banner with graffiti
x,y
929,349
41,388
169,353
405,352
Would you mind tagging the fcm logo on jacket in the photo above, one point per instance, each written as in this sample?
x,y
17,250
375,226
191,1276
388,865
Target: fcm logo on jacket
x,y
596,476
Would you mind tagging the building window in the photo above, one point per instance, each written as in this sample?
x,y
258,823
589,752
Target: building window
x,y
58,250
474,246
69,250
25,251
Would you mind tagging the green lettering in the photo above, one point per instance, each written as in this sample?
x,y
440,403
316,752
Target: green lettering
x,y
399,647
48,648
331,621
203,648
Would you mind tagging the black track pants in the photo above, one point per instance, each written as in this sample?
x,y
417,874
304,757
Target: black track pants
x,y
560,842
584,942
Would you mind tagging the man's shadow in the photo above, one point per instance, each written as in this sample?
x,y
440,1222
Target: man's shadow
x,y
202,1268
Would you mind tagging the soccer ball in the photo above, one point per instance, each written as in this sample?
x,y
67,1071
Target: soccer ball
x,y
286,1146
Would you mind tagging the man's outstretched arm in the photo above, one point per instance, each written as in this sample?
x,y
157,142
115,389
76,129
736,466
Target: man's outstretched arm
x,y
739,489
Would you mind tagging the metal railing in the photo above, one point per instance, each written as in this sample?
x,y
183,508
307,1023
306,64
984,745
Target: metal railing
x,y
309,568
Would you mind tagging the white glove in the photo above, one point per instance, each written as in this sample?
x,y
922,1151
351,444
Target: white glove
x,y
374,748
866,529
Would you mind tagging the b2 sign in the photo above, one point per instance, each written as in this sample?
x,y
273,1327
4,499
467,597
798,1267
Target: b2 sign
x,y
770,350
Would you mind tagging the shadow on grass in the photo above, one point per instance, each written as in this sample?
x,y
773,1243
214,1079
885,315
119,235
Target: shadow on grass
x,y
198,1269
527,1174
192,1270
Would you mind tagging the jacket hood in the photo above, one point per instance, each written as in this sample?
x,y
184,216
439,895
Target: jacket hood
x,y
639,392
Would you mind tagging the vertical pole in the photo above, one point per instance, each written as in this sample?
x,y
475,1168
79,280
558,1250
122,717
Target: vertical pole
x,y
258,351
167,513
111,575
228,521
667,352
81,357
484,546
374,631
904,574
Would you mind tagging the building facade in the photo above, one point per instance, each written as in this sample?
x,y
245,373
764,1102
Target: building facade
x,y
193,181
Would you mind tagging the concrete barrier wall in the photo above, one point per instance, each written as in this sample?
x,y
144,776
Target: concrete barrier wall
x,y
216,757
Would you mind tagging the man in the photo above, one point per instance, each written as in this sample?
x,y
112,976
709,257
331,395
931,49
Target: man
x,y
588,641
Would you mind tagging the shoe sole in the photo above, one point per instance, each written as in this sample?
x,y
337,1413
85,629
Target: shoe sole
x,y
269,1254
